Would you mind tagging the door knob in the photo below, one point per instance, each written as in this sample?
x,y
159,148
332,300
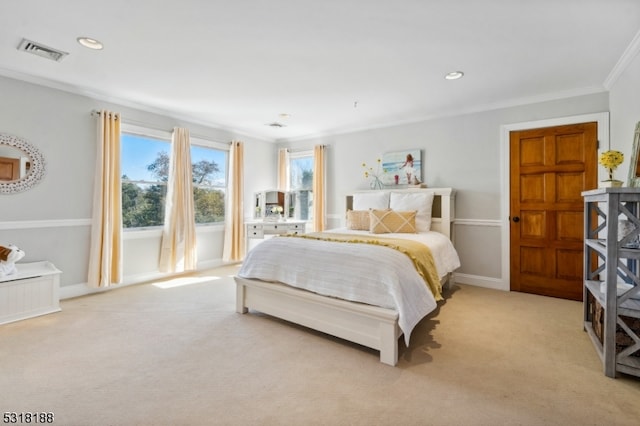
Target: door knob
x,y
516,219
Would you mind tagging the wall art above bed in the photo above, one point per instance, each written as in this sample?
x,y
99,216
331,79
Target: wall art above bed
x,y
402,167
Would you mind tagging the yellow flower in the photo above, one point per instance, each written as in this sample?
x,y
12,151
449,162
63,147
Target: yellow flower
x,y
376,175
611,159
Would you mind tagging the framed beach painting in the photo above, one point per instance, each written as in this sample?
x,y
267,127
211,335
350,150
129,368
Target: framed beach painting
x,y
402,167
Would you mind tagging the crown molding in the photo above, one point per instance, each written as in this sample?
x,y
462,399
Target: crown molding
x,y
628,55
99,96
630,52
510,103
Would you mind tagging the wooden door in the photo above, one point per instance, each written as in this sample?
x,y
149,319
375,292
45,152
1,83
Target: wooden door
x,y
549,168
9,168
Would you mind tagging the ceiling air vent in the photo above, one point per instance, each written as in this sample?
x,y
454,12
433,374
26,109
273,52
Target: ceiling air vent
x,y
41,50
276,124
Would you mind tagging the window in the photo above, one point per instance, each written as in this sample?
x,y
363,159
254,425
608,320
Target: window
x,y
145,158
145,170
209,169
301,184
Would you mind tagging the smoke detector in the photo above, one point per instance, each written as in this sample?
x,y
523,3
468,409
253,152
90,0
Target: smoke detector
x,y
41,50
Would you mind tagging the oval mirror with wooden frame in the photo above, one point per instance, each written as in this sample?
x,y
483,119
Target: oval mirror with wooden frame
x,y
21,164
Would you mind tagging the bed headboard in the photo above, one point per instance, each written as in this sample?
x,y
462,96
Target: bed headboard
x,y
442,212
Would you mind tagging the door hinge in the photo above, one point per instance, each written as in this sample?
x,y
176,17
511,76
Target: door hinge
x,y
598,145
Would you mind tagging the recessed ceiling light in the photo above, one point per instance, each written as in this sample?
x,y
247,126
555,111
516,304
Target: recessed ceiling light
x,y
454,75
285,115
91,43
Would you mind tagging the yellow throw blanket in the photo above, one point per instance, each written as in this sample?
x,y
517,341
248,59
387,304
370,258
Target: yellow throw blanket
x,y
419,253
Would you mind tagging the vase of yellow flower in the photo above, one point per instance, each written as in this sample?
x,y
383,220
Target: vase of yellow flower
x,y
611,160
374,175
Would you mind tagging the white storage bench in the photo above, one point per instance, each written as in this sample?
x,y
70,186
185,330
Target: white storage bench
x,y
32,291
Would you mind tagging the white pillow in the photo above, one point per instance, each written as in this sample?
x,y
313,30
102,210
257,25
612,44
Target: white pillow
x,y
371,200
422,202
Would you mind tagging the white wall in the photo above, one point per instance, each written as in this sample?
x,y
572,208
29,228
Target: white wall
x,y
52,220
624,103
463,152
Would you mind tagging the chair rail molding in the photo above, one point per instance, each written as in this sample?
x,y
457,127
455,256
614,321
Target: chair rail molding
x,y
53,223
477,222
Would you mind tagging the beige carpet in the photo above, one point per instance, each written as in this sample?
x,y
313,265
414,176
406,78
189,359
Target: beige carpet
x,y
180,355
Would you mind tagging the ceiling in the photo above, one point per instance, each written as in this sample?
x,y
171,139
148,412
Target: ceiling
x,y
333,66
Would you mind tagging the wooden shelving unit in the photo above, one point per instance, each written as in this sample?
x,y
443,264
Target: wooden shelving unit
x,y
611,278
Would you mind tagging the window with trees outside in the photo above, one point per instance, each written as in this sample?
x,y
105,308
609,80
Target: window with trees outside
x,y
301,183
145,156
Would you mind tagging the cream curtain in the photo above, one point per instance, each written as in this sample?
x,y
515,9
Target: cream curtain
x,y
178,250
105,251
319,216
234,212
283,168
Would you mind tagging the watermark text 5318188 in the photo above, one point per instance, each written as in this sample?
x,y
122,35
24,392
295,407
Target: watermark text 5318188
x,y
14,417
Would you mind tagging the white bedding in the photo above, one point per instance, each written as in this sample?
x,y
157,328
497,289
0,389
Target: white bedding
x,y
444,254
366,273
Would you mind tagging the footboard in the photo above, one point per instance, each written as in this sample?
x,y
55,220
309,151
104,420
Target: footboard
x,y
366,325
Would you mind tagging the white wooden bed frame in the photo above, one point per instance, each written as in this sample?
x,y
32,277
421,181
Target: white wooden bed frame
x,y
364,324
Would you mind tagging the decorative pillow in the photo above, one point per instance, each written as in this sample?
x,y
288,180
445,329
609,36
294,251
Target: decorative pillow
x,y
389,221
358,220
422,202
370,200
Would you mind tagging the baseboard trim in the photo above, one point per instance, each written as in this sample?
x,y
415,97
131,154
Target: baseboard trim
x,y
83,289
480,281
77,290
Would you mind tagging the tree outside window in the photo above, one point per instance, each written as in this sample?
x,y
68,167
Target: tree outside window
x,y
145,172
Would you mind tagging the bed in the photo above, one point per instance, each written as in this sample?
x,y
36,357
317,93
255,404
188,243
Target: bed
x,y
370,282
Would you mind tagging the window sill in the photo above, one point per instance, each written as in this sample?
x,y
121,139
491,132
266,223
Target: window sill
x,y
156,231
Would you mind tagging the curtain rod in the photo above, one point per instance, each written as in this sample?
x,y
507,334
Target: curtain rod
x,y
98,112
162,129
